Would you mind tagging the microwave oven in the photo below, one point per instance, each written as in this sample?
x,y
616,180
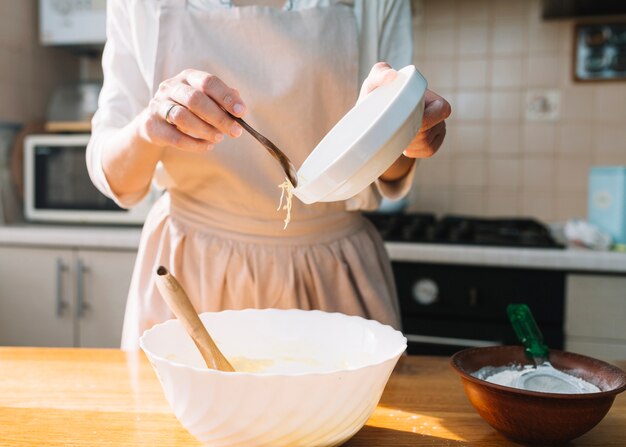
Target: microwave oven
x,y
57,186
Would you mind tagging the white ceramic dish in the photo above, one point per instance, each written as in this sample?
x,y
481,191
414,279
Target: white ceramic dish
x,y
365,142
329,375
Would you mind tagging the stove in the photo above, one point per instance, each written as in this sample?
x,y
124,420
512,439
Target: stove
x,y
426,228
448,307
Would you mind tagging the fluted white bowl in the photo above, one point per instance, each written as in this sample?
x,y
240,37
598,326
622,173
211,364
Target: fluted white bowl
x,y
365,142
323,375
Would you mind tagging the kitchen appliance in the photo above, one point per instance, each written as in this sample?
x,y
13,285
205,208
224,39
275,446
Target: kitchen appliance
x,y
606,205
72,106
57,187
565,9
448,307
72,22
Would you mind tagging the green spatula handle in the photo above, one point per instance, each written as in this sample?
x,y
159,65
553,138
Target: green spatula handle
x,y
527,331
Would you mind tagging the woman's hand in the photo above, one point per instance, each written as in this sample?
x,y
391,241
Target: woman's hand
x,y
429,138
186,112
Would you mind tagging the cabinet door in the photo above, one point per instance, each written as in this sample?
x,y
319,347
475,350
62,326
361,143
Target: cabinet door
x,y
35,297
102,282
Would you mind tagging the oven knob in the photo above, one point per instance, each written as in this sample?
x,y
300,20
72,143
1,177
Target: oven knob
x,y
425,292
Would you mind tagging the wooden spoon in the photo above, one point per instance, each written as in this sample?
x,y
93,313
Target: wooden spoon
x,y
179,302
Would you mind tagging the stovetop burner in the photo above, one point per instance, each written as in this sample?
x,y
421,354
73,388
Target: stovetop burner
x,y
426,228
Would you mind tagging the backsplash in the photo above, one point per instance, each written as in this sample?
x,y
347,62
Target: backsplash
x,y
28,72
485,57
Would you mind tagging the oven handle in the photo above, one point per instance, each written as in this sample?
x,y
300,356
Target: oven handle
x,y
450,341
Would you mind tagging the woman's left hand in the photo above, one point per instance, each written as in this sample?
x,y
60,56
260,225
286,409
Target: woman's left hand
x,y
430,136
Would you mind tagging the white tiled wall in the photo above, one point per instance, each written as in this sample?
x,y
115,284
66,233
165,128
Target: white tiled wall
x,y
28,71
484,56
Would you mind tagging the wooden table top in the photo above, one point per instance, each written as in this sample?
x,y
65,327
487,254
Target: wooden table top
x,y
91,397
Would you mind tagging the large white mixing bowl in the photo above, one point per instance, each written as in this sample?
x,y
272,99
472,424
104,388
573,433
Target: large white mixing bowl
x,y
325,375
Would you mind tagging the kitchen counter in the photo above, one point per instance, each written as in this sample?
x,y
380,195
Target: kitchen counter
x,y
58,397
127,238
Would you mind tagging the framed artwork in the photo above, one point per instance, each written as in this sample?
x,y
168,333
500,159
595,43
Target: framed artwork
x,y
600,52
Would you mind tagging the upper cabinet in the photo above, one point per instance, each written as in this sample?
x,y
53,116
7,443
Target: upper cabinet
x,y
72,22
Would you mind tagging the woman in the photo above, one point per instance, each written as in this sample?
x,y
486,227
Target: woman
x,y
292,69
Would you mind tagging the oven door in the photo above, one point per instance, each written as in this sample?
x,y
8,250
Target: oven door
x,y
435,345
58,187
446,308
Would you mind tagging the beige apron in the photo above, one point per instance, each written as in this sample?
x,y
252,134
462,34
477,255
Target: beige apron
x,y
217,228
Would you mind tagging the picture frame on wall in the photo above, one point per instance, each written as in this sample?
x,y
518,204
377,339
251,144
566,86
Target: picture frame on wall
x,y
600,52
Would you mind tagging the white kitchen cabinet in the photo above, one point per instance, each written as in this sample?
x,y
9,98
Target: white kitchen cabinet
x,y
595,315
34,297
63,297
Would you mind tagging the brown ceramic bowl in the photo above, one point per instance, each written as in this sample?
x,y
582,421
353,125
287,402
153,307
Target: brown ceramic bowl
x,y
531,417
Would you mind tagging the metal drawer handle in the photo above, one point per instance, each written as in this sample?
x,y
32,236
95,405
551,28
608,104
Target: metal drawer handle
x,y
82,304
60,303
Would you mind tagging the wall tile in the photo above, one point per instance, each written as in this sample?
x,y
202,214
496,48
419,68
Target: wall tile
x,y
549,37
503,174
503,203
472,73
539,138
431,199
575,138
570,205
537,174
544,70
504,139
440,41
468,202
473,40
610,102
572,174
473,11
507,72
609,158
486,55
510,8
440,11
468,173
469,139
610,138
434,172
508,38
576,103
506,106
539,205
470,105
441,73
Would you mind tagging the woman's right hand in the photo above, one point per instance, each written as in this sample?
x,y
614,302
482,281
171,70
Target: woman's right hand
x,y
186,112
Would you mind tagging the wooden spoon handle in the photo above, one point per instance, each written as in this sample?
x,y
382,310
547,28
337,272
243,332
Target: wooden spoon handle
x,y
179,302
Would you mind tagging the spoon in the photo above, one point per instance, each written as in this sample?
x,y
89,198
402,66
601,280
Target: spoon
x,y
179,302
285,163
544,377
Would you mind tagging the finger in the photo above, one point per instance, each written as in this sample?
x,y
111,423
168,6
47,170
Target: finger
x,y
211,85
437,109
174,137
190,124
206,109
380,74
428,144
435,131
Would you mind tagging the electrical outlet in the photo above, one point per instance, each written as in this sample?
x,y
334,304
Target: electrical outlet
x,y
543,105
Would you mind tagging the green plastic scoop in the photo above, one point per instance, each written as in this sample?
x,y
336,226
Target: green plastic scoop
x,y
544,377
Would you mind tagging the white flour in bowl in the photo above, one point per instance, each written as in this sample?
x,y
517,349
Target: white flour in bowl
x,y
510,375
